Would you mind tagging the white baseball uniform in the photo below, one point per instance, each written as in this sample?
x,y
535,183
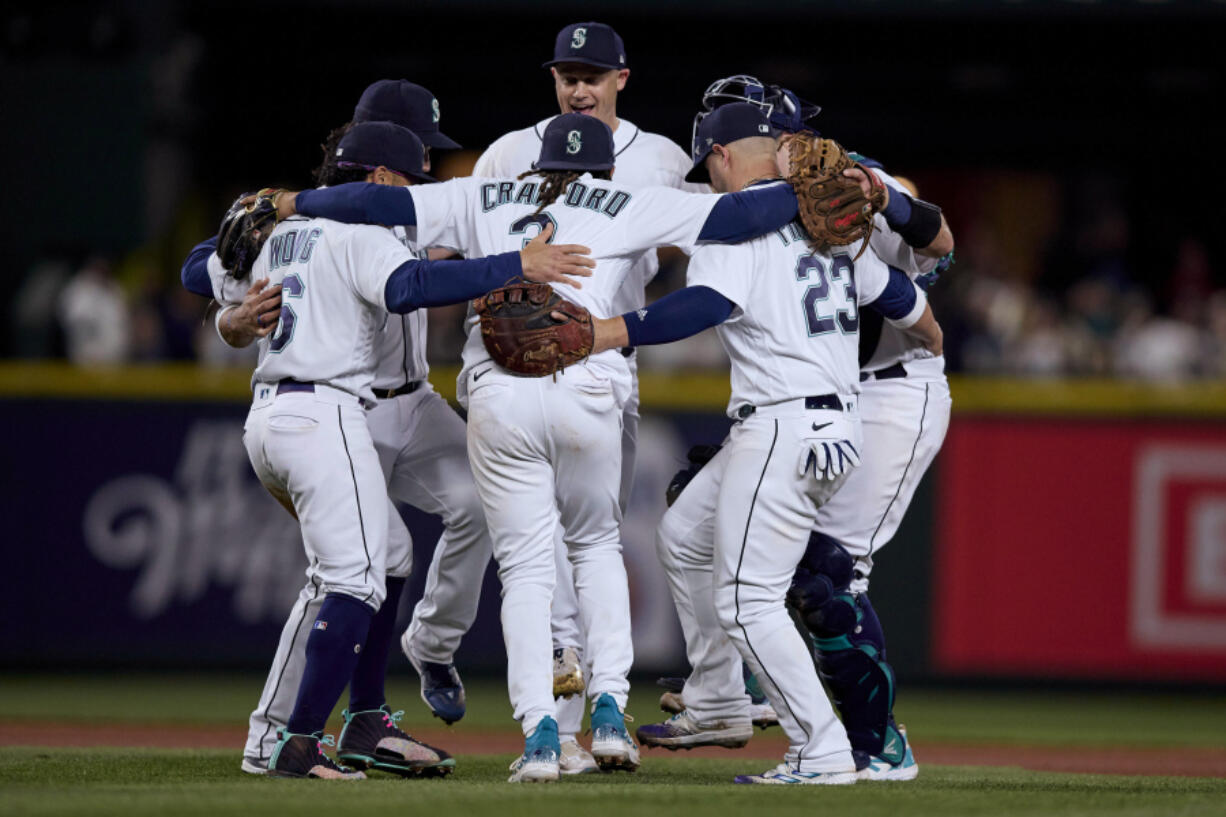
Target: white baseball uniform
x,y
642,159
732,540
310,444
548,450
428,470
905,415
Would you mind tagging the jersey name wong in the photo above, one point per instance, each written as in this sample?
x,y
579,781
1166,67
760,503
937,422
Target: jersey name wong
x,y
598,199
293,246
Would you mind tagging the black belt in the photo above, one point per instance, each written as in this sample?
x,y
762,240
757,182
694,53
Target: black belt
x,y
817,401
626,351
407,388
888,373
289,385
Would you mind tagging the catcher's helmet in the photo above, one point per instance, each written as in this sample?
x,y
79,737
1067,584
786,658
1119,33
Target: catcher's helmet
x,y
244,229
786,111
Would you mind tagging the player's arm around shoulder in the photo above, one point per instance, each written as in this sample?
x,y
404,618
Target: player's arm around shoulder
x,y
254,317
248,308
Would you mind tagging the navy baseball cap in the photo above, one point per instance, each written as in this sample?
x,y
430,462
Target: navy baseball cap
x,y
725,124
575,141
370,144
408,105
591,44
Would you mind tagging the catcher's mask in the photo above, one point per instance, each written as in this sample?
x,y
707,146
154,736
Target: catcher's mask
x,y
785,111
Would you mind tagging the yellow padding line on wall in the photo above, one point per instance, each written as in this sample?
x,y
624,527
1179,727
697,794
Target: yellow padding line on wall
x,y
677,391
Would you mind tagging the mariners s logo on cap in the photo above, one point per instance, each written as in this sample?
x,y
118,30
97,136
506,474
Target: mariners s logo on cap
x,y
574,142
434,109
579,38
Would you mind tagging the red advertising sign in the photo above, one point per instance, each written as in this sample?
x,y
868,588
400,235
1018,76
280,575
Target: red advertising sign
x,y
1081,549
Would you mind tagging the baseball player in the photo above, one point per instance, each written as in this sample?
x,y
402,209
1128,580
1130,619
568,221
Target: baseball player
x,y
904,410
788,318
589,69
541,448
308,440
427,470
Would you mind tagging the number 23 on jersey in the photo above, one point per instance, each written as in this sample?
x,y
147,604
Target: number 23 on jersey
x,y
830,299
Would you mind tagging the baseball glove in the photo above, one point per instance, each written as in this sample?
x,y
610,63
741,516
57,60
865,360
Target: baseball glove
x,y
521,333
698,456
833,208
244,229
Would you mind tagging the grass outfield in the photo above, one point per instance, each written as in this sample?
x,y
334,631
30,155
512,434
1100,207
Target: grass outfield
x,y
1052,718
138,782
133,782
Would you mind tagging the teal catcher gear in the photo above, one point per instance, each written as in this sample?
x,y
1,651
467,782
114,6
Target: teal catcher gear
x,y
850,648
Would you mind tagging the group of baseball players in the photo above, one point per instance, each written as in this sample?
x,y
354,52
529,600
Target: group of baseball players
x,y
839,403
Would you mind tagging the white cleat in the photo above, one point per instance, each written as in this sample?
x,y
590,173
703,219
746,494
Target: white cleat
x,y
254,765
785,775
574,759
763,715
682,731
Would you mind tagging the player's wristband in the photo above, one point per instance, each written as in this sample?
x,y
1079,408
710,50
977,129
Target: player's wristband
x,y
916,221
225,310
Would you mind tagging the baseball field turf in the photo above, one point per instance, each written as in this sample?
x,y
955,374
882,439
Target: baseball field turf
x,y
170,745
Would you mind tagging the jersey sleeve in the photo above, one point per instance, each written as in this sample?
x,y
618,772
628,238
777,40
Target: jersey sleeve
x,y
662,216
227,290
372,254
872,275
445,213
726,268
489,165
509,155
678,162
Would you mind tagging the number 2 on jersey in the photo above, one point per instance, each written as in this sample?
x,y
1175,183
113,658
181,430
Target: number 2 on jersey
x,y
291,287
820,316
541,220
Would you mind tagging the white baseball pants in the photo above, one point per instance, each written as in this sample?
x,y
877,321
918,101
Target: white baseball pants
x,y
567,628
546,452
314,453
422,445
730,545
904,421
422,454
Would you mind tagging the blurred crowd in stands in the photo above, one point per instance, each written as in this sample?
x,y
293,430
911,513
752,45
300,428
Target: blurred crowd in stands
x,y
1082,315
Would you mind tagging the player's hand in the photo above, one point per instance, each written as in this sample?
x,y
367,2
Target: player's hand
x,y
828,459
547,263
282,199
255,317
783,155
867,185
